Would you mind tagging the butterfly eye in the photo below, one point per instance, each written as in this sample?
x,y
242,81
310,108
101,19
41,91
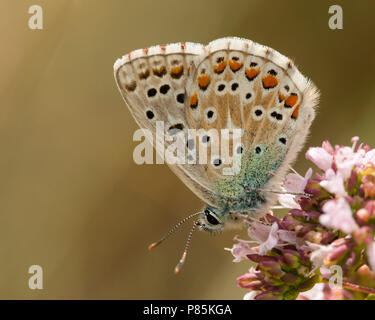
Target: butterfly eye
x,y
211,219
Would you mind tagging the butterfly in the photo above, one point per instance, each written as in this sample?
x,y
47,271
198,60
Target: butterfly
x,y
229,84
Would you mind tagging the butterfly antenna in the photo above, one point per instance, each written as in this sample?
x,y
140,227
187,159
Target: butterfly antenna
x,y
287,192
155,244
183,258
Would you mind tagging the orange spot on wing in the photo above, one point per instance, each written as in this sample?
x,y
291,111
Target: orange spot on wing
x,y
194,101
252,73
160,71
295,112
235,65
204,81
145,50
176,72
291,101
219,68
131,86
270,81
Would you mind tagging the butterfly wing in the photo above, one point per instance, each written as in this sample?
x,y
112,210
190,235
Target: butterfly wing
x,y
229,84
241,84
153,84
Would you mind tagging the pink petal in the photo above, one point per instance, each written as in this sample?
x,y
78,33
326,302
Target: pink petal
x,y
320,157
240,251
288,201
319,253
287,236
327,147
346,159
370,157
334,183
316,293
259,232
271,241
251,295
371,255
296,183
338,215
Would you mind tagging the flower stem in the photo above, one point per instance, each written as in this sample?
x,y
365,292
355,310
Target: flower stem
x,y
353,286
356,287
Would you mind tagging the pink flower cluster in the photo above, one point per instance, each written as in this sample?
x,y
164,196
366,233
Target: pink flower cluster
x,y
334,225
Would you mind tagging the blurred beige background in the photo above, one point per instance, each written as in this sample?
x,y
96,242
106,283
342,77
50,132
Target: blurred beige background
x,y
71,198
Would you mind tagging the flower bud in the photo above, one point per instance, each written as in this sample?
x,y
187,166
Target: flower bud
x,y
365,273
249,281
303,270
336,254
314,236
290,278
308,284
291,258
362,235
369,188
363,215
353,179
370,207
267,295
271,267
327,237
254,257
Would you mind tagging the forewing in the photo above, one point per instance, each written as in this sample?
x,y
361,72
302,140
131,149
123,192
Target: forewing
x,y
153,84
